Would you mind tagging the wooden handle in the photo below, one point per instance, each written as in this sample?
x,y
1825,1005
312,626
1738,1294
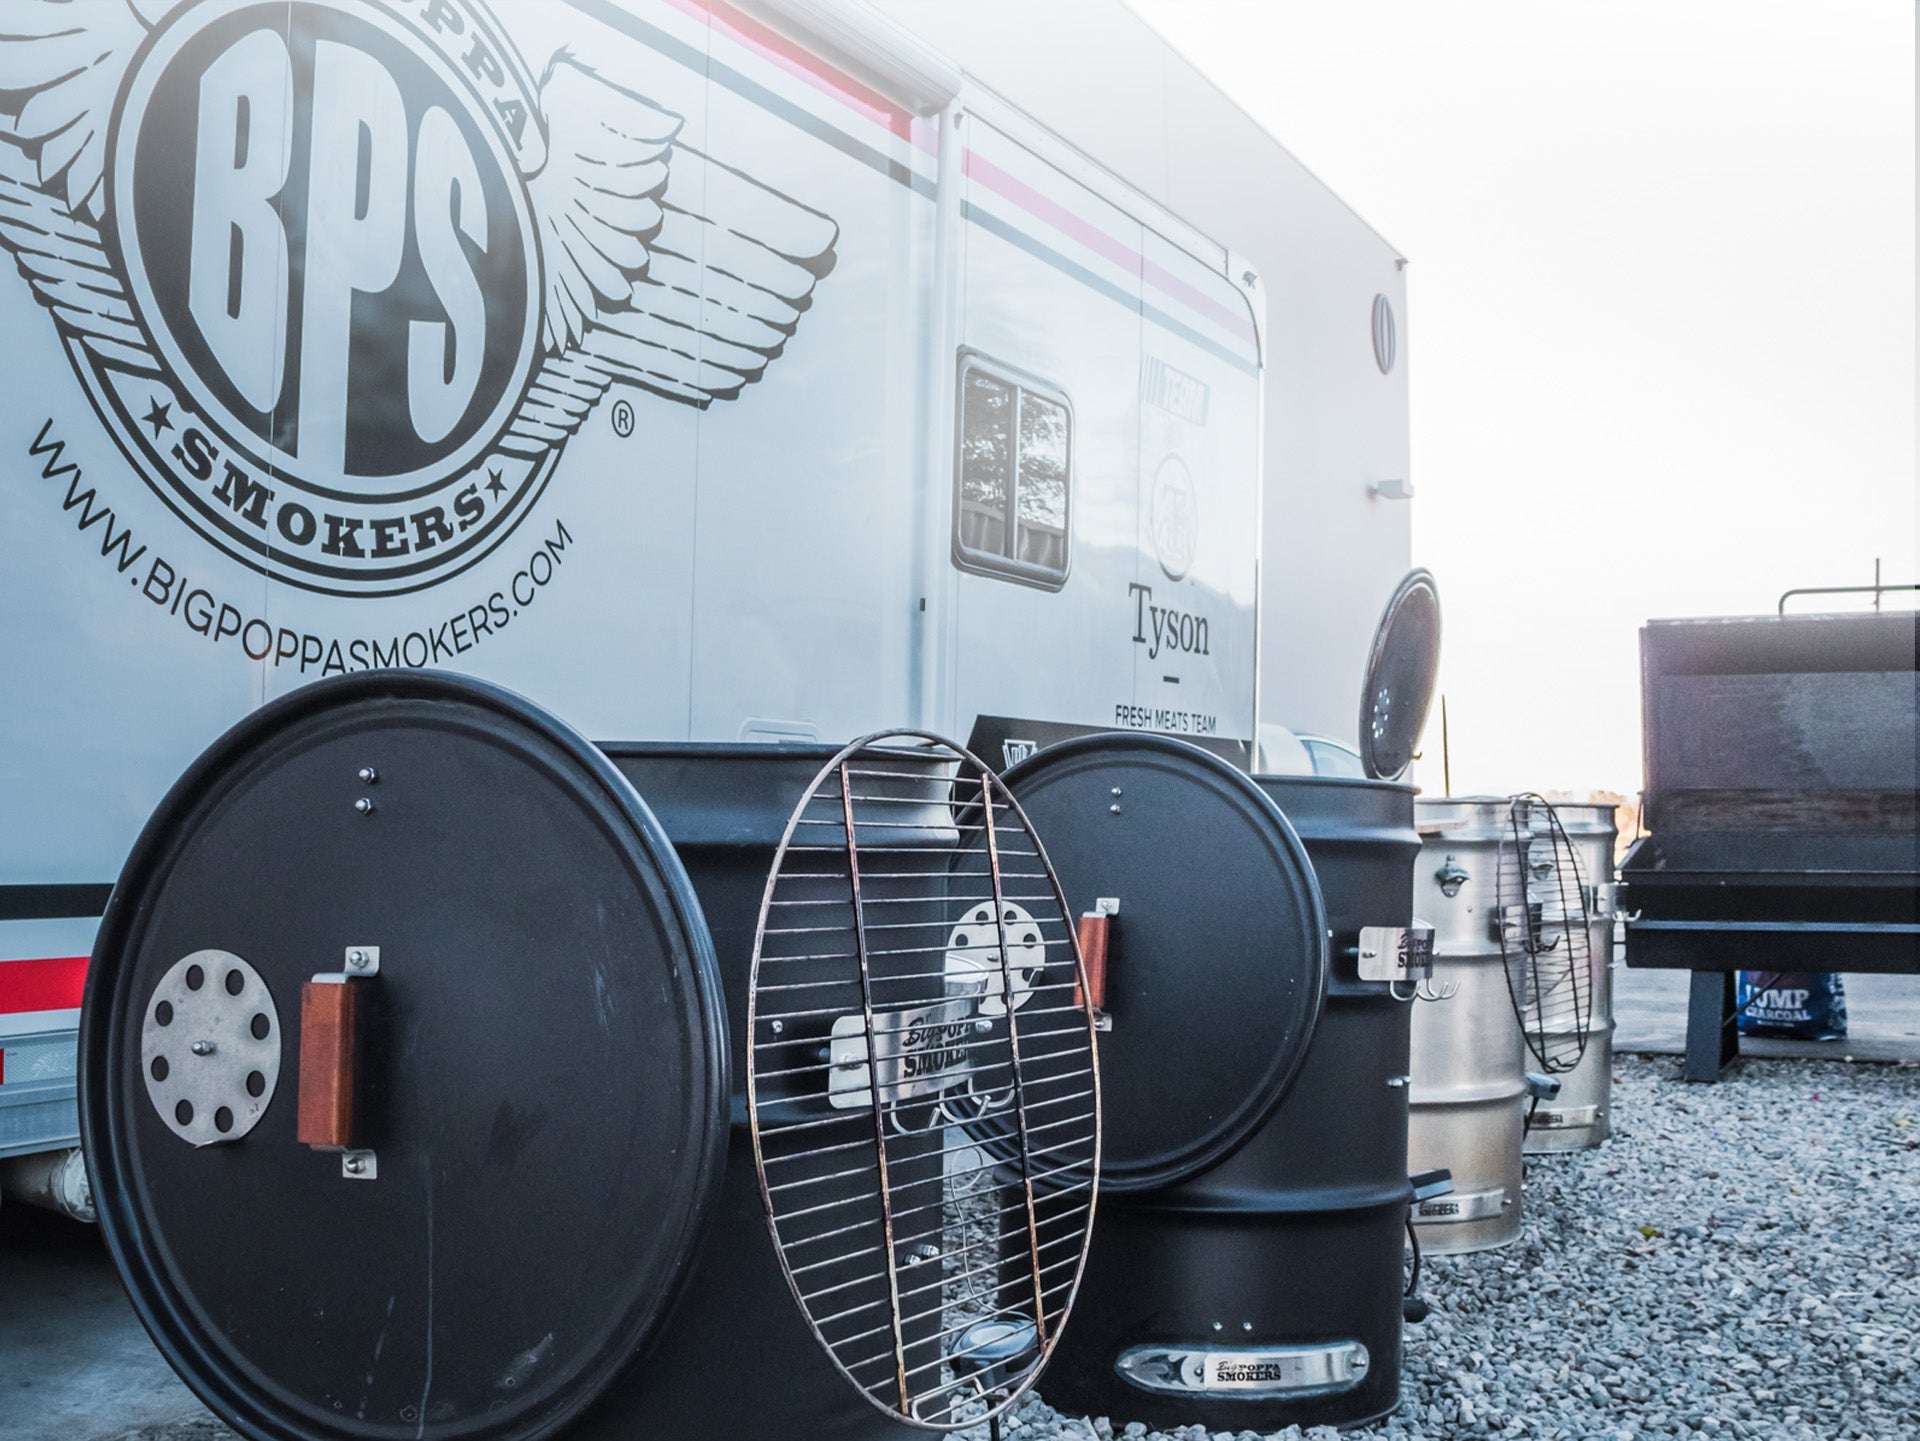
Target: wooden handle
x,y
1093,959
327,1013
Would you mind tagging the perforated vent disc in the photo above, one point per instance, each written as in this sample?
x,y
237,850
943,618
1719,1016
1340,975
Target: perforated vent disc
x,y
922,1083
1217,959
1402,669
540,1068
210,1047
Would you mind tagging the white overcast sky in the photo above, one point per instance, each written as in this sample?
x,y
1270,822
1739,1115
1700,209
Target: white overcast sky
x,y
1662,317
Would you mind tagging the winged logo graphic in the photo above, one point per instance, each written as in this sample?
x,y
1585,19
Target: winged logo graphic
x,y
344,277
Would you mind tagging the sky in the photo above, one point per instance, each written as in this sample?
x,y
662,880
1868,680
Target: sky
x,y
1661,317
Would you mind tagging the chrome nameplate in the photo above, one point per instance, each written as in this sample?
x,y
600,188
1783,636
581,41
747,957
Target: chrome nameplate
x,y
919,1053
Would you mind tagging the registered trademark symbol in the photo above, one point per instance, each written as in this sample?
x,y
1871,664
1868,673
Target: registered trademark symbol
x,y
622,418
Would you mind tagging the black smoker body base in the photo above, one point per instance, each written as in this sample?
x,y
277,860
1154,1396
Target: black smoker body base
x,y
1160,1278
737,1325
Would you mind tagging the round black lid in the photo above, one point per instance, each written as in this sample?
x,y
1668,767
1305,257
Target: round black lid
x,y
1217,960
539,1078
1401,671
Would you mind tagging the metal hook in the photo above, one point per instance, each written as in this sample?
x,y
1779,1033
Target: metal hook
x,y
1428,991
901,1128
986,1103
1413,993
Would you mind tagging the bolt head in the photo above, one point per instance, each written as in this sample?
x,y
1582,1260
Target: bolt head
x,y
368,775
202,1048
364,806
356,1165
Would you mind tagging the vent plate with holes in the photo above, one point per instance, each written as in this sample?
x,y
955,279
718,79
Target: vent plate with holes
x,y
210,1047
922,1082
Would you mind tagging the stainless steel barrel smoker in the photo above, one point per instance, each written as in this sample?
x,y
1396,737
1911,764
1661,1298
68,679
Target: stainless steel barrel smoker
x,y
1469,1057
1247,1271
435,1086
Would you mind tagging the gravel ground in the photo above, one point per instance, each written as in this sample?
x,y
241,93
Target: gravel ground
x,y
1742,1260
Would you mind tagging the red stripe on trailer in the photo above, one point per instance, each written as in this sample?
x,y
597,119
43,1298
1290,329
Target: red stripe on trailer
x,y
1044,207
54,984
799,61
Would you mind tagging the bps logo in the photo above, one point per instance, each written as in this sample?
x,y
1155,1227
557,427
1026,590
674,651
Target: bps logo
x,y
342,277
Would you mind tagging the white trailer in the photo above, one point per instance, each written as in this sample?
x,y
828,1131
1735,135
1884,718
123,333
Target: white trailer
x,y
703,371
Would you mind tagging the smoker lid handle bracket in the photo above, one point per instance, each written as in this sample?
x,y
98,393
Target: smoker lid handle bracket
x,y
330,1013
1095,936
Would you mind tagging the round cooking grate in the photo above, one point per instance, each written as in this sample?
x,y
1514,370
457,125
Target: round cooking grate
x,y
922,1080
1544,941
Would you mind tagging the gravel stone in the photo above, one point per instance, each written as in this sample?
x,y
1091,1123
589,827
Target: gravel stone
x,y
1741,1260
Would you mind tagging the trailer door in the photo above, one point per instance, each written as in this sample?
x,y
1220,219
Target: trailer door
x,y
1046,420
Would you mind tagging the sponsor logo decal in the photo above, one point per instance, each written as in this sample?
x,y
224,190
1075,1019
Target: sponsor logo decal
x,y
1013,751
1175,518
343,277
1161,627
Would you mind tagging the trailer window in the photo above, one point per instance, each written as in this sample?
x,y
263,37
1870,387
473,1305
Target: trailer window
x,y
1015,472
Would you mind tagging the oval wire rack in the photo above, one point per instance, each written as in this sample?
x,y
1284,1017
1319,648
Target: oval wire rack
x,y
1544,940
922,1080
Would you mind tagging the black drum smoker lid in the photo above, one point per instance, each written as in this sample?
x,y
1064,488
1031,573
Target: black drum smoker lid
x,y
1217,966
1402,669
544,1069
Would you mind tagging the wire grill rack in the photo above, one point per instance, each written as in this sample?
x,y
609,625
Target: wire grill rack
x,y
1544,938
922,1080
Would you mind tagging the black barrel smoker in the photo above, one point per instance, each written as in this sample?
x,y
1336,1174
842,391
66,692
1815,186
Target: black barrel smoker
x,y
1247,1270
1782,763
432,1087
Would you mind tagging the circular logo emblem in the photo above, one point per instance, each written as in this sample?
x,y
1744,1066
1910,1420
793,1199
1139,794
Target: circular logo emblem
x,y
1383,336
328,244
1176,517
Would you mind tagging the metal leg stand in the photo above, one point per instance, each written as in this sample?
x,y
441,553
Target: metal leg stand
x,y
1713,1037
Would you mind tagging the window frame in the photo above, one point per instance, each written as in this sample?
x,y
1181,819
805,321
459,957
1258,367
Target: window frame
x,y
994,564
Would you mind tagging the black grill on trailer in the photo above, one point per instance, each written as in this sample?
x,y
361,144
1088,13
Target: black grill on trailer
x,y
1781,768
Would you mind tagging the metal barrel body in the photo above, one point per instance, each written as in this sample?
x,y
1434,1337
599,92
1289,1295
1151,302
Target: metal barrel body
x,y
1580,1117
739,1361
1265,1291
1468,1055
